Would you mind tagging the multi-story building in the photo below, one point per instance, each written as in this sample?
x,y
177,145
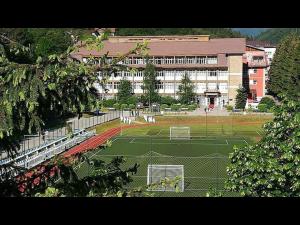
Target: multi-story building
x,y
255,70
215,66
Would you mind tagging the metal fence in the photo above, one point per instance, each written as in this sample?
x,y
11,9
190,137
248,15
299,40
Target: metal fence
x,y
35,149
201,174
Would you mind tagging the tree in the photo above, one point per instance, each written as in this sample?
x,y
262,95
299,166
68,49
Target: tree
x,y
186,90
31,91
270,167
124,91
214,32
150,85
241,98
285,70
267,103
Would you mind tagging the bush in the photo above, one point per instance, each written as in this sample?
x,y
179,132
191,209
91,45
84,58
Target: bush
x,y
192,107
262,107
168,100
132,100
175,107
116,106
269,102
229,108
124,106
164,106
131,106
109,102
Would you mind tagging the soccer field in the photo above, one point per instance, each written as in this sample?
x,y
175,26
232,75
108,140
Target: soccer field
x,y
204,156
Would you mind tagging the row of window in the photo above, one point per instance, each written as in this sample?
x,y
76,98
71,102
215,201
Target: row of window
x,y
171,86
170,74
161,60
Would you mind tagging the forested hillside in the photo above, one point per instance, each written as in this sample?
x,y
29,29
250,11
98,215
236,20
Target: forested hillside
x,y
274,35
214,32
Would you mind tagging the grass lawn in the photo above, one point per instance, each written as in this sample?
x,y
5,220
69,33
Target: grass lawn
x,y
204,156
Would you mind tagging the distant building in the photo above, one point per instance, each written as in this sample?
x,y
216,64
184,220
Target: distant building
x,y
269,48
215,66
254,76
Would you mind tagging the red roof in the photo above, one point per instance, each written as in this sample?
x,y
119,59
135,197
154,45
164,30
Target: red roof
x,y
172,47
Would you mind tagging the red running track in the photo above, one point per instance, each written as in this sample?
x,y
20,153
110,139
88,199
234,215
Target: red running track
x,y
98,140
89,144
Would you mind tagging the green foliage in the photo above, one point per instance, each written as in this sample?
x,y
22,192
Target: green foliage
x,y
186,90
124,91
192,107
241,98
270,167
132,100
269,102
124,106
149,85
109,102
131,106
116,106
275,35
262,107
214,32
33,92
229,108
214,193
285,69
175,107
168,100
164,106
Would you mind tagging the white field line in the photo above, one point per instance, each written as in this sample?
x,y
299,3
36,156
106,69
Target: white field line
x,y
246,142
132,140
258,133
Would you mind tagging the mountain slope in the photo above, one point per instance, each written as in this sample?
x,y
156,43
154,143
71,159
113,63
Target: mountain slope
x,y
250,31
274,35
214,32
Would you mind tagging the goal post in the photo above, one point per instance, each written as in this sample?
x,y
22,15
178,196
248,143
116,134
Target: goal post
x,y
157,174
180,133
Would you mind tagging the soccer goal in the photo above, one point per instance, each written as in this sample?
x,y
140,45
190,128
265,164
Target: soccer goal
x,y
180,133
158,175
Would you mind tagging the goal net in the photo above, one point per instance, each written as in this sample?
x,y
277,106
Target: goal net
x,y
165,178
180,133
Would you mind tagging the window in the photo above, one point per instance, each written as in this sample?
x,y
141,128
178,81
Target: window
x,y
253,82
254,70
212,73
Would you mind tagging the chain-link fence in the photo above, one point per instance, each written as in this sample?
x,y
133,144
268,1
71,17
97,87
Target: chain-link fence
x,y
201,174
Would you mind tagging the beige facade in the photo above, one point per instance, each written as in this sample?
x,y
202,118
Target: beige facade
x,y
215,66
235,81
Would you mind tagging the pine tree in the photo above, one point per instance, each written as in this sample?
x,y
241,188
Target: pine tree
x,y
241,98
186,90
150,85
285,69
124,91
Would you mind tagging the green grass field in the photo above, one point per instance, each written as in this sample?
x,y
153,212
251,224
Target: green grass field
x,y
204,156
